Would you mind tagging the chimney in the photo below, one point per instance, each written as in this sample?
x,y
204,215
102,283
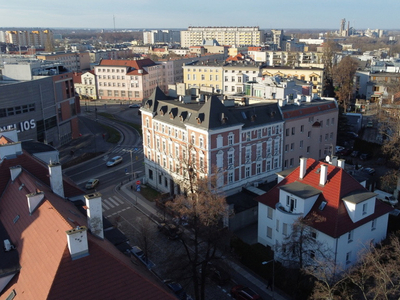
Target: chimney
x,y
34,199
15,171
56,179
78,242
323,175
95,214
341,163
334,161
303,166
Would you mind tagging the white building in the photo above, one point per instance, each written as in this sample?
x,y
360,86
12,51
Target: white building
x,y
343,215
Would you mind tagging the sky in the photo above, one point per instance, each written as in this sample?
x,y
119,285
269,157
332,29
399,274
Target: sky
x,y
164,14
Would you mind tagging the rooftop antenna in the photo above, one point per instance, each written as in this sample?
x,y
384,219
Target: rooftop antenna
x,y
114,22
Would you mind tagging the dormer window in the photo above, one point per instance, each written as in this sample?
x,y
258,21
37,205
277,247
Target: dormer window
x,y
364,208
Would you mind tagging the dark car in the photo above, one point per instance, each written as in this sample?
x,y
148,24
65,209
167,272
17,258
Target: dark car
x,y
241,292
134,106
172,231
178,290
365,156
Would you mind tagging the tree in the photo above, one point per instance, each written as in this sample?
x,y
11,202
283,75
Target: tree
x,y
343,80
203,207
329,60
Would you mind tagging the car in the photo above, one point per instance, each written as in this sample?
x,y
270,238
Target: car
x,y
172,231
370,171
338,149
178,290
136,251
352,135
346,152
134,106
92,183
241,292
114,161
355,153
365,156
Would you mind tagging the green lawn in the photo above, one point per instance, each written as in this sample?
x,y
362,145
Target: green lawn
x,y
149,193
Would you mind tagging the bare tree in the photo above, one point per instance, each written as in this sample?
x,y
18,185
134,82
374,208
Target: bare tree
x,y
343,80
330,47
203,207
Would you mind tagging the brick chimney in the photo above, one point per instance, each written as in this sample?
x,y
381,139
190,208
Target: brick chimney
x,y
15,171
95,214
56,179
77,242
34,199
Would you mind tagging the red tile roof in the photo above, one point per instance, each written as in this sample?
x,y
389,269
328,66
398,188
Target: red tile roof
x,y
47,270
335,219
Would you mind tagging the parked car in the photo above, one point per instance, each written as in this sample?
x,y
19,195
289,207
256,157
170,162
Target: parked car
x,y
178,290
365,156
134,106
92,183
114,161
338,149
355,153
370,171
241,292
136,251
172,231
346,152
386,197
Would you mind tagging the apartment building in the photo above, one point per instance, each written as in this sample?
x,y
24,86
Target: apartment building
x,y
73,61
241,144
85,85
236,74
34,38
310,129
287,58
310,74
204,74
161,36
128,79
250,36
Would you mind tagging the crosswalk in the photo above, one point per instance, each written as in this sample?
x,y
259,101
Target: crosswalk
x,y
112,202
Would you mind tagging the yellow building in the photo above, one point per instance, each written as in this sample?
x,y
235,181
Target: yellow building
x,y
313,75
204,74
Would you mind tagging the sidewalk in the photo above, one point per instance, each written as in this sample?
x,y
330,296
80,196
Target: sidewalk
x,y
150,209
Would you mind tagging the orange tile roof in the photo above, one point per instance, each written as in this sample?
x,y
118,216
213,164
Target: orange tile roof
x,y
339,184
47,270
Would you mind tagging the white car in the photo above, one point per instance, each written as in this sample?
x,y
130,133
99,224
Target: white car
x,y
114,161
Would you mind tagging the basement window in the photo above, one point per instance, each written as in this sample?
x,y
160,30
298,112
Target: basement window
x,y
322,205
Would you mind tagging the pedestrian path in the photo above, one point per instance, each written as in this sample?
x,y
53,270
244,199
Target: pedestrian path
x,y
126,149
113,202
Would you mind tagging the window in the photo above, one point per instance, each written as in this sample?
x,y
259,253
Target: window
x,y
269,212
259,133
201,142
293,130
301,144
364,208
248,154
284,229
291,146
287,132
269,232
302,128
309,134
230,177
230,159
258,168
308,149
286,148
248,137
348,257
373,224
230,139
193,140
350,236
268,165
247,172
314,235
277,225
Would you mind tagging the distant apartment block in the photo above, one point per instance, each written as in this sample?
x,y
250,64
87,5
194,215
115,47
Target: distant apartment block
x,y
287,58
73,61
250,36
161,37
27,38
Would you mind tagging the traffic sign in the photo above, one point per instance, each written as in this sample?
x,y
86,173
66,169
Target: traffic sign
x,y
138,188
138,182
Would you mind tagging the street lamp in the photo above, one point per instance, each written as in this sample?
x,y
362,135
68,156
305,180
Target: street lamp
x,y
131,151
273,275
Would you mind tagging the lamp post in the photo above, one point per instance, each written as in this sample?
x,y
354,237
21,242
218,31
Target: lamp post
x,y
273,275
131,153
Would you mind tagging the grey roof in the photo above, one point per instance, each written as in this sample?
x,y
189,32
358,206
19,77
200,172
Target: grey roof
x,y
211,114
358,196
33,147
301,190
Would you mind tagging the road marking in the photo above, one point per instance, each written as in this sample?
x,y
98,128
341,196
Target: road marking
x,y
117,199
109,204
105,206
113,201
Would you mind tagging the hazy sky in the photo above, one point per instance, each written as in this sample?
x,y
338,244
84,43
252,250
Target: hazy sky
x,y
279,14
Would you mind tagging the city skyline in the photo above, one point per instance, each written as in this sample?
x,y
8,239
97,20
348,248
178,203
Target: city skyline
x,y
307,14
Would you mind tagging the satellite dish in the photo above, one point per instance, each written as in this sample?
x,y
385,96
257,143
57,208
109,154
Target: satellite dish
x,y
328,158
